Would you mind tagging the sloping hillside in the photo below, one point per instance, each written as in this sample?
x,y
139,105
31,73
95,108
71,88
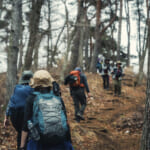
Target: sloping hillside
x,y
111,123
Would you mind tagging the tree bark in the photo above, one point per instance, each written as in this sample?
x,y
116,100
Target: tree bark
x,y
36,51
12,54
49,36
127,10
21,40
33,30
141,51
97,37
119,30
77,43
65,62
139,26
86,45
145,140
1,6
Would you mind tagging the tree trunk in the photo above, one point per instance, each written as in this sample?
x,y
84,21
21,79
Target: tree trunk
x,y
139,26
49,35
82,32
145,140
119,31
65,62
127,10
141,66
97,37
36,50
54,52
77,38
1,6
142,51
86,43
21,40
12,54
33,30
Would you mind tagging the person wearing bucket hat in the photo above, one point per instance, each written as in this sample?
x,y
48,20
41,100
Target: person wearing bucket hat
x,y
15,107
42,112
117,76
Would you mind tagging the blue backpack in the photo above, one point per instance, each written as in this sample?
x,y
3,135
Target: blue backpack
x,y
18,99
49,118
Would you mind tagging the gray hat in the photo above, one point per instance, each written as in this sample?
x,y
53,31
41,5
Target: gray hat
x,y
78,69
26,76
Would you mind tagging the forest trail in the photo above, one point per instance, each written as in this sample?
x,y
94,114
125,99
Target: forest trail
x,y
111,123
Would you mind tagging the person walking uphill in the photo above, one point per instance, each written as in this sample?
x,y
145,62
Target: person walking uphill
x,y
45,120
117,76
78,82
15,107
105,74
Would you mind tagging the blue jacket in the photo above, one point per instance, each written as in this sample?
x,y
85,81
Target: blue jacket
x,y
18,99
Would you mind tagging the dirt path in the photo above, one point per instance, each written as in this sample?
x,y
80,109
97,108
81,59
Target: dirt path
x,y
111,123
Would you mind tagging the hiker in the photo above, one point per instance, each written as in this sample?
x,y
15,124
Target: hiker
x,y
15,107
99,64
78,83
45,120
117,77
105,73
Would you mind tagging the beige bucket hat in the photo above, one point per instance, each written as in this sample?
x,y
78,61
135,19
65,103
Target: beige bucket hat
x,y
41,78
118,62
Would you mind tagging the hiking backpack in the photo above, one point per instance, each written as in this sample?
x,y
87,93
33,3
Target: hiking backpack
x,y
18,99
15,108
75,79
49,118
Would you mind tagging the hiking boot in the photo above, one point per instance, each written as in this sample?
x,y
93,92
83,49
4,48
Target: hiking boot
x,y
77,120
119,95
80,116
115,94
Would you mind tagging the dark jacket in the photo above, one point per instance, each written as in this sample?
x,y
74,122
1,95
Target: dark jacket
x,y
117,73
83,80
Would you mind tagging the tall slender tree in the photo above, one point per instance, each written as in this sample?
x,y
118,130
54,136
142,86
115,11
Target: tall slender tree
x,y
141,40
97,35
67,45
77,41
33,31
128,25
145,140
119,30
49,35
21,45
1,5
13,49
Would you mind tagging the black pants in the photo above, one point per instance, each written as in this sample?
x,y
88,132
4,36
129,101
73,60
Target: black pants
x,y
79,99
16,118
105,81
